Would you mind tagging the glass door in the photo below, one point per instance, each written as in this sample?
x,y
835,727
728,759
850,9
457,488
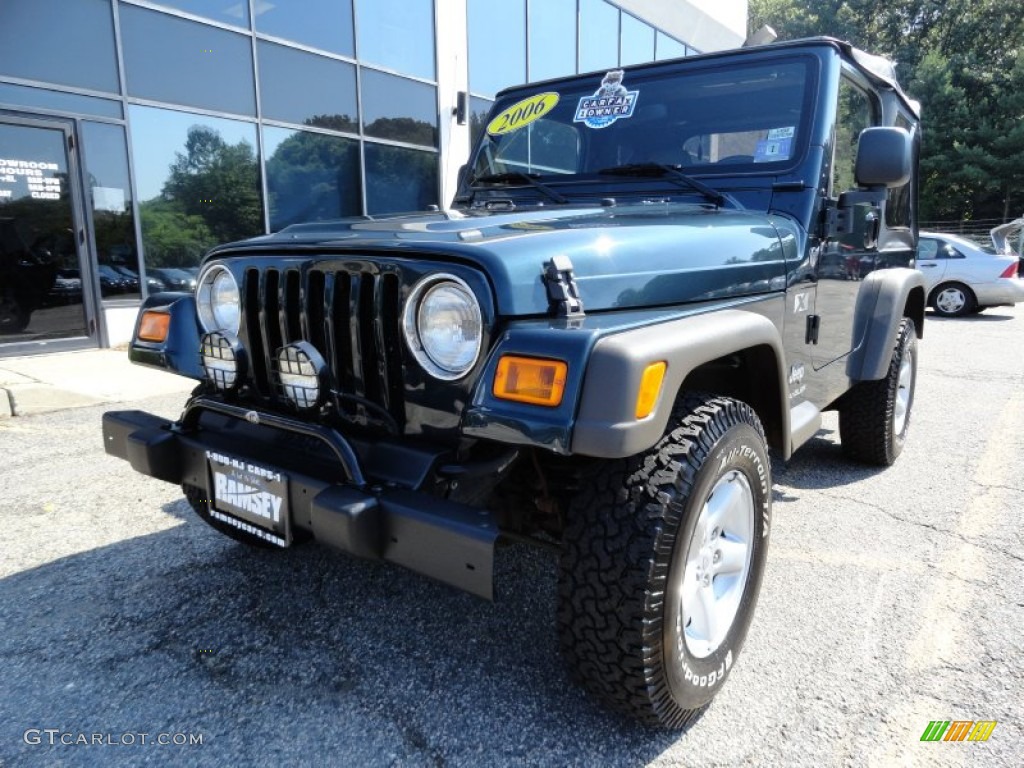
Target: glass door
x,y
44,291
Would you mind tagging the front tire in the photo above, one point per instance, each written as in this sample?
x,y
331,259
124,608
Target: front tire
x,y
874,416
662,563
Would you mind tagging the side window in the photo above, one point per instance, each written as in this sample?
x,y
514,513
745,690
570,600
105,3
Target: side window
x,y
856,112
897,207
927,249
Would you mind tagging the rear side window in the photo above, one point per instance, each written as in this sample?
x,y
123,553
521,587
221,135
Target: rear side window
x,y
897,207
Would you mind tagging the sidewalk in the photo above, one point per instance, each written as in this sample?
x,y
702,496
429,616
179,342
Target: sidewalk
x,y
30,385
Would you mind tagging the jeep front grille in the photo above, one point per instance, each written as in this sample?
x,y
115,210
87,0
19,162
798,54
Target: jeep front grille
x,y
351,316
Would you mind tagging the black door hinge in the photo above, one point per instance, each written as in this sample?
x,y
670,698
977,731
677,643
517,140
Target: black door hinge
x,y
563,293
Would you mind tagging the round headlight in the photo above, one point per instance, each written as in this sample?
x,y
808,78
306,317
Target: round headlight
x,y
217,300
444,326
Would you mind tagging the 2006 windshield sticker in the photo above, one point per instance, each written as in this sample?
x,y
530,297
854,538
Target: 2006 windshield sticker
x,y
522,113
611,102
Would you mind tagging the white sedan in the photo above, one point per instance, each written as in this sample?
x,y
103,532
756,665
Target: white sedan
x,y
961,277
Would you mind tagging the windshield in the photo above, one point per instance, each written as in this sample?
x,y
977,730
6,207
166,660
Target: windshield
x,y
735,117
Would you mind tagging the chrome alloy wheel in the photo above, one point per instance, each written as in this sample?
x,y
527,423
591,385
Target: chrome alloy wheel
x,y
904,391
951,300
717,565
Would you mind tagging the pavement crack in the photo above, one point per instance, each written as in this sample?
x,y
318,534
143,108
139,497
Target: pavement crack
x,y
930,526
997,487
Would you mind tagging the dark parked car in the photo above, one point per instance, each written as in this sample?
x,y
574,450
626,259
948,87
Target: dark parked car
x,y
26,276
174,279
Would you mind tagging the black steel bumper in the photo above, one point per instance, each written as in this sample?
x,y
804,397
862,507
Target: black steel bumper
x,y
450,542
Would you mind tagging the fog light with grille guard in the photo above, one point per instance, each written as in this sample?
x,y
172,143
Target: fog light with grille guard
x,y
223,359
302,374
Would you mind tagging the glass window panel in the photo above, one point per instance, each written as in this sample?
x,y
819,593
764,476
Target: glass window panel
x,y
310,176
599,35
59,42
40,281
669,47
399,109
398,34
497,44
24,96
478,110
324,24
637,44
399,179
225,11
109,194
331,104
180,61
552,38
198,183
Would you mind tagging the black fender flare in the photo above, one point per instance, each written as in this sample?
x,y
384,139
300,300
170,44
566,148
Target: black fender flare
x,y
606,425
886,296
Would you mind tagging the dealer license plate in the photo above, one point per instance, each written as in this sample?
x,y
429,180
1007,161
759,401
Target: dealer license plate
x,y
249,497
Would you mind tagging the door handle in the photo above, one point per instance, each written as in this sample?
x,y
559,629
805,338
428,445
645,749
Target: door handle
x,y
927,266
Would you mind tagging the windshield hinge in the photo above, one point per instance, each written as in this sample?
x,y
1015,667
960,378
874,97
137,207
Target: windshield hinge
x,y
563,293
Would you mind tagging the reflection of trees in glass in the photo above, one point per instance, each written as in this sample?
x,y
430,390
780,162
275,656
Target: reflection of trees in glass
x,y
311,177
403,129
333,123
399,179
211,196
173,238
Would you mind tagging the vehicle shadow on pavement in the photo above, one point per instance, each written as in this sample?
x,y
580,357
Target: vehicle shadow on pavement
x,y
270,653
988,316
819,464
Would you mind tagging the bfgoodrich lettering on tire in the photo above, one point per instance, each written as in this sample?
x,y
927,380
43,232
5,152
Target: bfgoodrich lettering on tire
x,y
662,563
874,416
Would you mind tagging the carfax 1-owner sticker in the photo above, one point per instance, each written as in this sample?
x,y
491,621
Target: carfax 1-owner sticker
x,y
611,102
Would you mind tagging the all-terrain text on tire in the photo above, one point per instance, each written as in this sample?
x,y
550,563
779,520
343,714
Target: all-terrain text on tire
x,y
648,281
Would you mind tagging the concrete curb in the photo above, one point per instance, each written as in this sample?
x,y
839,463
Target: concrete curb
x,y
55,382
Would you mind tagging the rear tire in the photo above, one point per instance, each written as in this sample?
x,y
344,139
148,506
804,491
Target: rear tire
x,y
953,300
662,562
874,416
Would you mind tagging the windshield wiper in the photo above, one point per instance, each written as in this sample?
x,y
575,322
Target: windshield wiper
x,y
673,172
511,177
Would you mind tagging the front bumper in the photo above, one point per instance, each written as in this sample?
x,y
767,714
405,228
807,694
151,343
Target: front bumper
x,y
453,543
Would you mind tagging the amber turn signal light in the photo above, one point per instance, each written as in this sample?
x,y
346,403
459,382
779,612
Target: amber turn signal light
x,y
154,326
650,388
530,380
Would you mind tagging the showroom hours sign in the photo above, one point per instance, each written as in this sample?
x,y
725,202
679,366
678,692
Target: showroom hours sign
x,y
37,178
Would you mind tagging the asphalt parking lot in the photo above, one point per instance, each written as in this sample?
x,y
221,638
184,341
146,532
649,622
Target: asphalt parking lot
x,y
892,598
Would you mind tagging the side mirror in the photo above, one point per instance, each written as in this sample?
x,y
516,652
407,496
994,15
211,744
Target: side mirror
x,y
884,160
884,157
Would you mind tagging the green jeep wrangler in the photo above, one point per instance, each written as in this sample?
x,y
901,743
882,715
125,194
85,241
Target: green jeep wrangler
x,y
648,279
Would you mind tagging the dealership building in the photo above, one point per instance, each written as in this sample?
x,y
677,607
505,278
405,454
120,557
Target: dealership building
x,y
136,134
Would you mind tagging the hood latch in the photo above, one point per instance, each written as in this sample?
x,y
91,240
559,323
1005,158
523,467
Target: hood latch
x,y
563,293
